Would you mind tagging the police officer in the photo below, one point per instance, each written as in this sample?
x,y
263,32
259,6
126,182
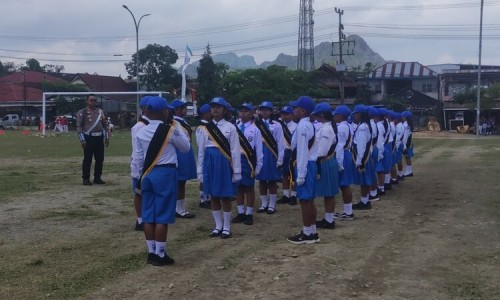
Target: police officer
x,y
92,131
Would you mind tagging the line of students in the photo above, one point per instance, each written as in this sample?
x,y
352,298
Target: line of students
x,y
315,158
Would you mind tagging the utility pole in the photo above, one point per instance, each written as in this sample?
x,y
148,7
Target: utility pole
x,y
341,67
478,113
305,57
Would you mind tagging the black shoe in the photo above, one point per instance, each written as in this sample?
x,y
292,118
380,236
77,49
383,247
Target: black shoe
x,y
343,216
402,177
262,209
139,227
283,200
87,182
98,181
388,186
373,198
225,234
151,258
185,215
408,175
302,238
394,181
248,220
215,233
206,204
293,200
325,224
316,237
271,210
361,206
240,218
380,192
163,261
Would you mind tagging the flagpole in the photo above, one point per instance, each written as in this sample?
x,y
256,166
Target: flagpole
x,y
187,59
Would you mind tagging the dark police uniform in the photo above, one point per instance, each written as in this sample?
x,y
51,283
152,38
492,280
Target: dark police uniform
x,y
92,131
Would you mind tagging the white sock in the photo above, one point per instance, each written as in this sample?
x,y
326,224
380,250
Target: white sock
x,y
217,218
151,246
263,199
381,187
139,220
241,209
286,193
178,206
348,208
329,217
365,200
313,228
161,247
410,169
202,196
183,204
387,178
307,230
373,193
227,220
294,193
272,200
249,210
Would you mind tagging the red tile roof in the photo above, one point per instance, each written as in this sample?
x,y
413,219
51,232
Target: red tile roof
x,y
100,83
26,85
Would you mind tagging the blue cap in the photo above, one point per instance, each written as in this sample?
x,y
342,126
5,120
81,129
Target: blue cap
x,y
219,101
360,109
178,103
397,116
287,110
266,104
144,101
304,102
322,107
246,106
407,114
342,110
204,109
373,111
157,103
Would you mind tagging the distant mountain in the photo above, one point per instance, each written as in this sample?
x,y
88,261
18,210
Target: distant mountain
x,y
322,54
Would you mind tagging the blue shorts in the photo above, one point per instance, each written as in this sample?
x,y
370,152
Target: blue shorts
x,y
217,175
346,177
159,195
186,169
246,173
307,191
286,162
327,184
269,171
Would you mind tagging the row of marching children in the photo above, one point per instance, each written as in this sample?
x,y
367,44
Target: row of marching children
x,y
321,155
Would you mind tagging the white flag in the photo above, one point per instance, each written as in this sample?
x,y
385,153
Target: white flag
x,y
187,59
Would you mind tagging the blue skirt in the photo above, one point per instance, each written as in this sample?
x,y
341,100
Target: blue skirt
x,y
387,158
286,162
217,174
399,153
307,191
394,155
368,176
269,171
346,177
327,184
246,173
409,152
159,196
186,169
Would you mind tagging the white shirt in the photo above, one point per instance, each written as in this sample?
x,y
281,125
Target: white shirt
x,y
344,136
277,132
178,140
325,138
181,120
406,133
300,141
392,134
380,139
361,140
254,137
373,124
136,171
205,141
400,129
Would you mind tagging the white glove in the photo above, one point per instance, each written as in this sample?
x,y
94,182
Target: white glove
x,y
300,181
236,177
341,168
257,172
380,156
279,164
200,178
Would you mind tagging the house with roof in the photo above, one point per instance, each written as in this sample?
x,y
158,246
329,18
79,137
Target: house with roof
x,y
329,77
21,93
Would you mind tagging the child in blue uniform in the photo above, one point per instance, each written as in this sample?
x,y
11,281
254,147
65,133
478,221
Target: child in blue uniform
x,y
219,166
289,127
306,153
205,117
408,142
187,164
155,152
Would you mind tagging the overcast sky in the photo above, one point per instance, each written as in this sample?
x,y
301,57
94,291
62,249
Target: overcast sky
x,y
86,35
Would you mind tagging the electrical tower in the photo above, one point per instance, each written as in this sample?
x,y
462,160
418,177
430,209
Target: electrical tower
x,y
305,59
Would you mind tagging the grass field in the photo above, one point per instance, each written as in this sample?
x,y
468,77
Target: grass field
x,y
435,236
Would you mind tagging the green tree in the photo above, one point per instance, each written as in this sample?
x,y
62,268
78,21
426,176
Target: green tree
x,y
208,81
155,67
32,65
